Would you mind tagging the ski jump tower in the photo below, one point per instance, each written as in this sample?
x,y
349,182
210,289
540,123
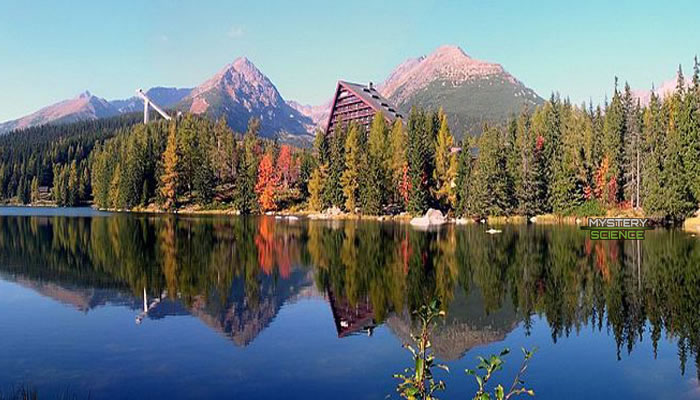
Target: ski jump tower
x,y
148,102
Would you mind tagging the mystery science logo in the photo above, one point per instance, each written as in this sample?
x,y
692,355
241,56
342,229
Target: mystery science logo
x,y
617,228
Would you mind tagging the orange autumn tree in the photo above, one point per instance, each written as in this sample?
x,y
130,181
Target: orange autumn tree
x,y
287,168
268,183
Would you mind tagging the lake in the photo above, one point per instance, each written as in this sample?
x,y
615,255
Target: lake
x,y
115,306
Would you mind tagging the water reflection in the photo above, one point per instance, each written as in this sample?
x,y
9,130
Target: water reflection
x,y
235,274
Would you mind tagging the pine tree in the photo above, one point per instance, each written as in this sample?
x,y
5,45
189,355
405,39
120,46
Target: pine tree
x,y
463,208
654,155
613,148
398,160
333,189
316,188
489,188
678,199
349,180
245,199
115,195
523,169
35,190
322,147
546,132
632,148
204,179
445,163
418,154
169,181
72,190
376,172
689,127
568,179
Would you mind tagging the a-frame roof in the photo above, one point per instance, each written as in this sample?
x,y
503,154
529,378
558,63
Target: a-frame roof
x,y
370,96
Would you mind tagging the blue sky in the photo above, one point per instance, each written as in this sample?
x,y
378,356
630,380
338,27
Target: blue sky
x,y
52,50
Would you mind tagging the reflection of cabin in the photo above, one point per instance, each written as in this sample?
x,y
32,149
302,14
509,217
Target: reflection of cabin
x,y
350,320
354,102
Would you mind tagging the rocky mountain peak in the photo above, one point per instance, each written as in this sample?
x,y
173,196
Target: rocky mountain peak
x,y
448,63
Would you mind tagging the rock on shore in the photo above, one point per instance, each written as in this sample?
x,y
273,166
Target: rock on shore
x,y
431,218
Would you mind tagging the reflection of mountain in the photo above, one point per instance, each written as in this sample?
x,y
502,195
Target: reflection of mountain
x,y
83,299
241,319
466,326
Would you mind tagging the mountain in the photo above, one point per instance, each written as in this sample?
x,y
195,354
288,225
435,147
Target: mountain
x,y
318,114
666,88
240,91
163,96
470,91
83,107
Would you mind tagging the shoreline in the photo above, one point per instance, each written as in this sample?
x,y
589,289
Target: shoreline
x,y
690,224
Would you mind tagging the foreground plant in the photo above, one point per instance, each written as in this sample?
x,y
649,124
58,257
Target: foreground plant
x,y
494,364
418,382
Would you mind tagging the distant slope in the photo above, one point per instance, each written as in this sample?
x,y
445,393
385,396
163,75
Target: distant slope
x,y
318,114
163,96
81,108
666,88
240,91
470,91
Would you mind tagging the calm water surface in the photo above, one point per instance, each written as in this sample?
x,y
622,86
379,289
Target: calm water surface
x,y
270,308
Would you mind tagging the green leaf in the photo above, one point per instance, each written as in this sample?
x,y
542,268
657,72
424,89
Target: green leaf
x,y
479,380
499,392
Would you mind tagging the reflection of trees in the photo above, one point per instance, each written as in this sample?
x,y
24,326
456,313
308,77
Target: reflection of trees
x,y
235,273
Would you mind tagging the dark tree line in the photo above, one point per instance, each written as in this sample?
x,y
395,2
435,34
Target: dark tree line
x,y
53,156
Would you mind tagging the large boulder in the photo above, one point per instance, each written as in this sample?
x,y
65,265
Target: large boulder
x,y
431,218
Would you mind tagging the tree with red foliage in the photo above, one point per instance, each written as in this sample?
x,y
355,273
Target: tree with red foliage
x,y
287,168
267,185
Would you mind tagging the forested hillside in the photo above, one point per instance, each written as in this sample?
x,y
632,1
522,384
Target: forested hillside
x,y
195,161
44,155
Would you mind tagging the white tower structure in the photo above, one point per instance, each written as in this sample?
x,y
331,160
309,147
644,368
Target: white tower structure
x,y
148,102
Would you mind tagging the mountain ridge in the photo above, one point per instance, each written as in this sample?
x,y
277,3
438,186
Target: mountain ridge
x,y
85,106
240,91
450,78
471,91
